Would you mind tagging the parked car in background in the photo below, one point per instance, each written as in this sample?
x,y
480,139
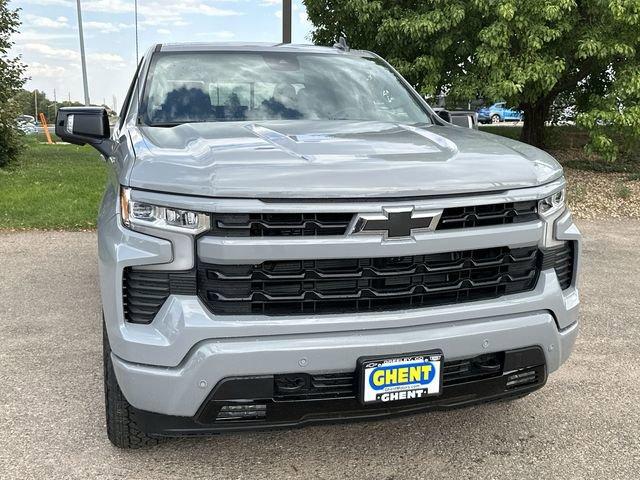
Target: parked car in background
x,y
499,112
27,124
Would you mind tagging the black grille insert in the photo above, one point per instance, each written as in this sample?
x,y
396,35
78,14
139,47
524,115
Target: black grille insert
x,y
561,259
303,386
279,224
145,291
487,215
328,224
367,284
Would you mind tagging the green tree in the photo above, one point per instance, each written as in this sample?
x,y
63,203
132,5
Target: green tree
x,y
11,80
25,103
528,53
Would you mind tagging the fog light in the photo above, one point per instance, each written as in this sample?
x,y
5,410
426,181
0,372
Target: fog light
x,y
522,378
250,411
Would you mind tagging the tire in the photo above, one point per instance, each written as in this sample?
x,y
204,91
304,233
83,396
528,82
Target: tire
x,y
122,428
495,118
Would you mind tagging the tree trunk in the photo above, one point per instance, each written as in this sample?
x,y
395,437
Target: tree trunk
x,y
535,114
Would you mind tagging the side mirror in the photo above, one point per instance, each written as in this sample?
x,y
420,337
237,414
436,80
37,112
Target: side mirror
x,y
85,125
465,119
444,114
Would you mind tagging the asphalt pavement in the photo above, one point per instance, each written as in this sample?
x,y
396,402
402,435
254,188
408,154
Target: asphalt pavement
x,y
585,423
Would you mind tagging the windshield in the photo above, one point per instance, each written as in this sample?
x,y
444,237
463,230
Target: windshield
x,y
218,87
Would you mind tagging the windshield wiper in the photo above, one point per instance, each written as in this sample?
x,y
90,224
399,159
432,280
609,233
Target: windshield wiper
x,y
166,124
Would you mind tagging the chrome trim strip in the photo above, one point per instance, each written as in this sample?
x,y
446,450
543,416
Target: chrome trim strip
x,y
249,205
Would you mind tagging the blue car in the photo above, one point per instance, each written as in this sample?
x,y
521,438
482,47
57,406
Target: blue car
x,y
499,112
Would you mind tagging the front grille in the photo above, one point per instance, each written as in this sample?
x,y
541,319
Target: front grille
x,y
560,258
332,224
303,386
279,224
488,215
367,284
145,291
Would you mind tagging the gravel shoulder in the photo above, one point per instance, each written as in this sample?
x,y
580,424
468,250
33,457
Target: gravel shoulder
x,y
593,195
583,424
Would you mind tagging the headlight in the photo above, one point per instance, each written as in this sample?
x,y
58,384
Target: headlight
x,y
552,204
166,218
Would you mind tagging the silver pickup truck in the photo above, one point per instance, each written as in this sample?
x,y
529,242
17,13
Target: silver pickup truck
x,y
290,235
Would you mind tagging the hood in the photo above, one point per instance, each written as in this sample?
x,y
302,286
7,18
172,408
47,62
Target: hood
x,y
331,159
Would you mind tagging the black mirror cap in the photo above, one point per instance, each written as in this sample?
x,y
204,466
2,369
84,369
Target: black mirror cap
x,y
82,125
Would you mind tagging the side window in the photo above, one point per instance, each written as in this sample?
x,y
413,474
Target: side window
x,y
127,99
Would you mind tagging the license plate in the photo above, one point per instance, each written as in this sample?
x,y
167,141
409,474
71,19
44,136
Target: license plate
x,y
395,378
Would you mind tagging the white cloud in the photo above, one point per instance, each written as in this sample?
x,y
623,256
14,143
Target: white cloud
x,y
60,3
160,13
108,60
217,35
29,35
151,11
42,70
49,51
106,57
108,6
105,27
163,31
46,22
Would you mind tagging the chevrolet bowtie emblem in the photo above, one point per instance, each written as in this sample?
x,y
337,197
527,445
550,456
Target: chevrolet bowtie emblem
x,y
397,222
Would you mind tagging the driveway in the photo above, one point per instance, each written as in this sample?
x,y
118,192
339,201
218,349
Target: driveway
x,y
584,424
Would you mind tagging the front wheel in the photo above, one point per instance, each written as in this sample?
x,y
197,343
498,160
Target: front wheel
x,y
122,428
495,118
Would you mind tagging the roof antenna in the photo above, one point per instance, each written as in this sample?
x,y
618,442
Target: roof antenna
x,y
342,43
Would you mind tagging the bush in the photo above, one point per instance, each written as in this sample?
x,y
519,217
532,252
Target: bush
x,y
11,81
10,144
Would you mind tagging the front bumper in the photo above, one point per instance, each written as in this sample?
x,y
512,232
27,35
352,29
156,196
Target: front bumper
x,y
170,366
180,391
257,402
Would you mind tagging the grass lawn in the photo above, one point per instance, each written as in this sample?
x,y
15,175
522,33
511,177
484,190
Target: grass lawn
x,y
52,187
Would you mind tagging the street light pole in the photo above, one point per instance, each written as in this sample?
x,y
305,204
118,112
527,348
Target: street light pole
x,y
135,7
82,56
286,21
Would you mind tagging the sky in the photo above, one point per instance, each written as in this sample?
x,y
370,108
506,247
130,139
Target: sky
x,y
49,46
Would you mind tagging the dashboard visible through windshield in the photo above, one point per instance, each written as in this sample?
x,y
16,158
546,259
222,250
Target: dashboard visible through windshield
x,y
190,87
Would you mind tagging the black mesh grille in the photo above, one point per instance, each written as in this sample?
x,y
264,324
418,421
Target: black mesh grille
x,y
145,291
279,224
303,386
487,215
327,224
561,259
367,284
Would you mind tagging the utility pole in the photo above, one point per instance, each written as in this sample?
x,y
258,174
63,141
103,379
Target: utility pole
x,y
286,21
55,104
35,102
83,59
